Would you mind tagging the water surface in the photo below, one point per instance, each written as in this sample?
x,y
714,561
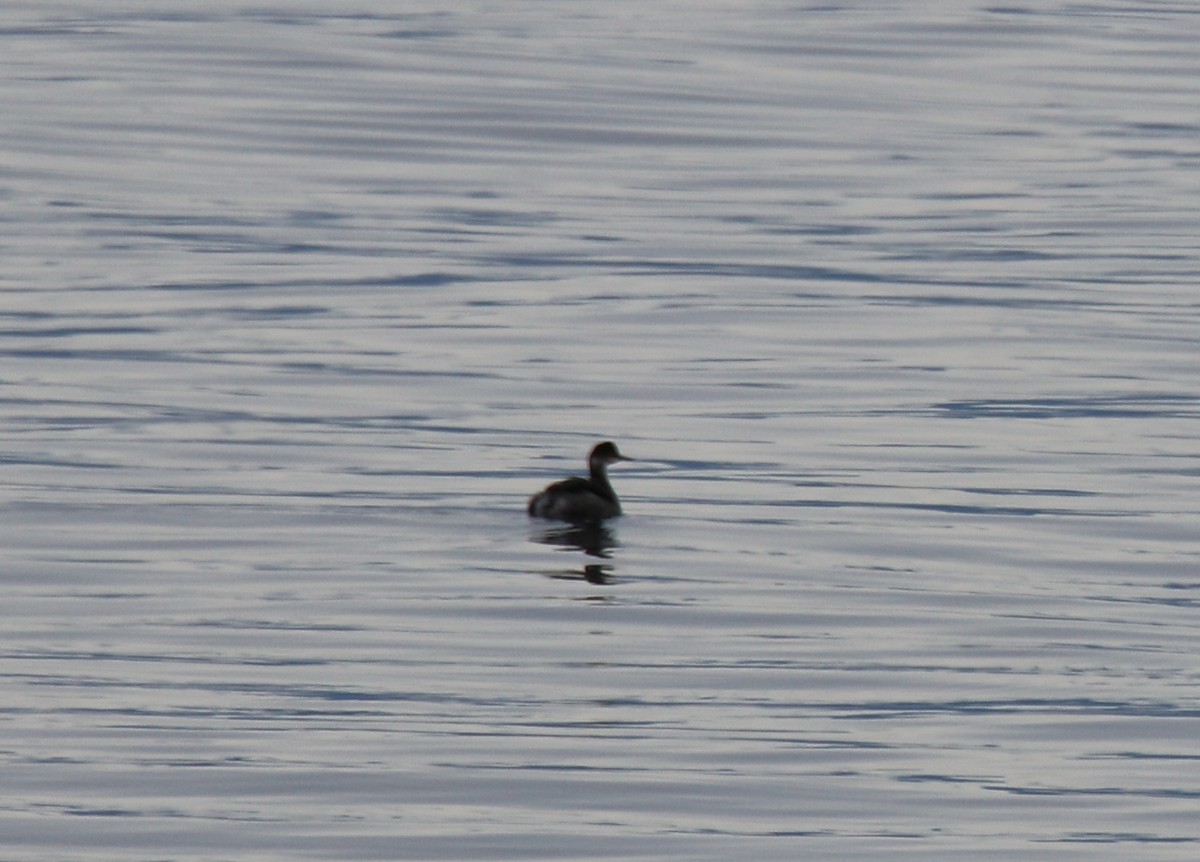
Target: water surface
x,y
896,308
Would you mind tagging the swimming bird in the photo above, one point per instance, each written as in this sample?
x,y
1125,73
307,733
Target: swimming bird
x,y
582,500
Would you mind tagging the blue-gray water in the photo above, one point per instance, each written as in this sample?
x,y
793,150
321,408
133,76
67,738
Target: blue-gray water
x,y
896,304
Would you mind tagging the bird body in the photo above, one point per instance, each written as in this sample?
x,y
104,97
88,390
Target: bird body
x,y
582,500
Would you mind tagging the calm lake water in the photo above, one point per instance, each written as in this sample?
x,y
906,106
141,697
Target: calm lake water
x,y
896,304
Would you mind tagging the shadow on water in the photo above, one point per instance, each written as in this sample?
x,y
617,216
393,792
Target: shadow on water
x,y
594,540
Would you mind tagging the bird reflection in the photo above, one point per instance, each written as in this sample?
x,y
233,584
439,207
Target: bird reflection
x,y
595,540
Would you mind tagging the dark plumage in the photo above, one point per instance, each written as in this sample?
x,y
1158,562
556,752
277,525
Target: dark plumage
x,y
578,499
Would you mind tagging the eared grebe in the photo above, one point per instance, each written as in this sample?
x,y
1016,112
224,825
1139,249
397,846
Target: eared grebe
x,y
582,500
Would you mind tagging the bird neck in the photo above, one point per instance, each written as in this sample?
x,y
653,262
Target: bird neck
x,y
599,476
